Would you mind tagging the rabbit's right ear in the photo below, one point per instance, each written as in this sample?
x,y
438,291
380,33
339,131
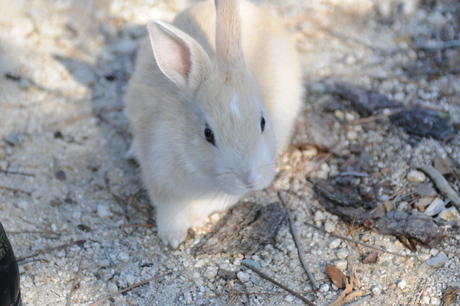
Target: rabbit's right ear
x,y
178,55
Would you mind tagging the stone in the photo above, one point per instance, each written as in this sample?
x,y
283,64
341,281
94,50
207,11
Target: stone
x,y
13,139
437,261
399,96
415,176
335,243
450,214
201,262
123,256
435,207
424,257
210,272
324,288
342,253
402,284
376,289
341,264
103,211
242,276
352,135
251,263
436,18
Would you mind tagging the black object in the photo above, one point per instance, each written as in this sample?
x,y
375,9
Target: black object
x,y
10,294
424,122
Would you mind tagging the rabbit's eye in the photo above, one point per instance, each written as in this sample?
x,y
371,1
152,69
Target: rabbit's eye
x,y
262,123
209,136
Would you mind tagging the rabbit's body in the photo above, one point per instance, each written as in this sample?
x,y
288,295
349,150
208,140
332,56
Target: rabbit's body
x,y
198,114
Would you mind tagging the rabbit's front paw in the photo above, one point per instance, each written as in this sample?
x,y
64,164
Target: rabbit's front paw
x,y
172,234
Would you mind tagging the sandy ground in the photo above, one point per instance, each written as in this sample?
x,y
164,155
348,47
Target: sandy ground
x,y
64,66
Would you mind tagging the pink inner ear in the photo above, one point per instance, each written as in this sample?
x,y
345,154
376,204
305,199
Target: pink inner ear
x,y
174,56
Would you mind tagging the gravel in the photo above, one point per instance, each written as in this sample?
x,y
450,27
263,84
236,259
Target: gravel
x,y
73,59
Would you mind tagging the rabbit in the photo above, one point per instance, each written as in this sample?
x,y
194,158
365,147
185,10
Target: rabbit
x,y
212,100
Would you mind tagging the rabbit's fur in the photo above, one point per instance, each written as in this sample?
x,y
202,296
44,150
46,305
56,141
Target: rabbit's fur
x,y
188,87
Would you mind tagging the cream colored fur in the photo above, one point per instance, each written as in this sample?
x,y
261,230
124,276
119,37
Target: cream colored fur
x,y
187,85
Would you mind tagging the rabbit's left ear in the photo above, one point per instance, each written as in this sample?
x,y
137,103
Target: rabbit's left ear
x,y
228,35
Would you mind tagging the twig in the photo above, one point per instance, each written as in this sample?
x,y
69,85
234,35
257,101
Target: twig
x,y
17,173
15,190
263,275
74,284
261,293
107,255
420,293
442,185
23,262
355,241
359,301
52,249
352,173
43,229
371,118
138,225
297,242
87,115
441,45
129,288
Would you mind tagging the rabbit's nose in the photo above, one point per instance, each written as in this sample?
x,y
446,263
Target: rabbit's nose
x,y
251,178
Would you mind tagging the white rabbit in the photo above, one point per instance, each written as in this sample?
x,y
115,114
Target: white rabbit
x,y
210,108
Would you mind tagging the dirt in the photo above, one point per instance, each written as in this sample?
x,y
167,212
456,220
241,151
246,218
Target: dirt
x,y
64,66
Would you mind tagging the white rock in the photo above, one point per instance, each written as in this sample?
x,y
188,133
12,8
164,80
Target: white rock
x,y
437,261
342,253
434,252
376,289
188,297
416,176
435,300
335,243
435,207
210,272
289,298
329,227
339,114
341,264
424,257
103,211
324,287
436,18
24,205
319,216
242,276
425,300
352,135
450,214
402,284
399,96
123,256
200,263
112,287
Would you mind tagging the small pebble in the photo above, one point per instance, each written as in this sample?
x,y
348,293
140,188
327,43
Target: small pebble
x,y
242,276
434,252
112,287
317,88
402,284
339,114
13,139
450,214
324,287
103,211
399,96
341,264
251,263
376,289
319,216
210,272
435,207
352,135
436,18
342,253
416,176
437,261
289,298
425,300
424,257
123,256
24,205
201,262
335,243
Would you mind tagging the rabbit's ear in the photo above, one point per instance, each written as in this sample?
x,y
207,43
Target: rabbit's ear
x,y
179,56
228,35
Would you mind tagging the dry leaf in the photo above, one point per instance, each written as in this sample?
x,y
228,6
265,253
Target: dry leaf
x,y
338,278
371,258
450,296
443,165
